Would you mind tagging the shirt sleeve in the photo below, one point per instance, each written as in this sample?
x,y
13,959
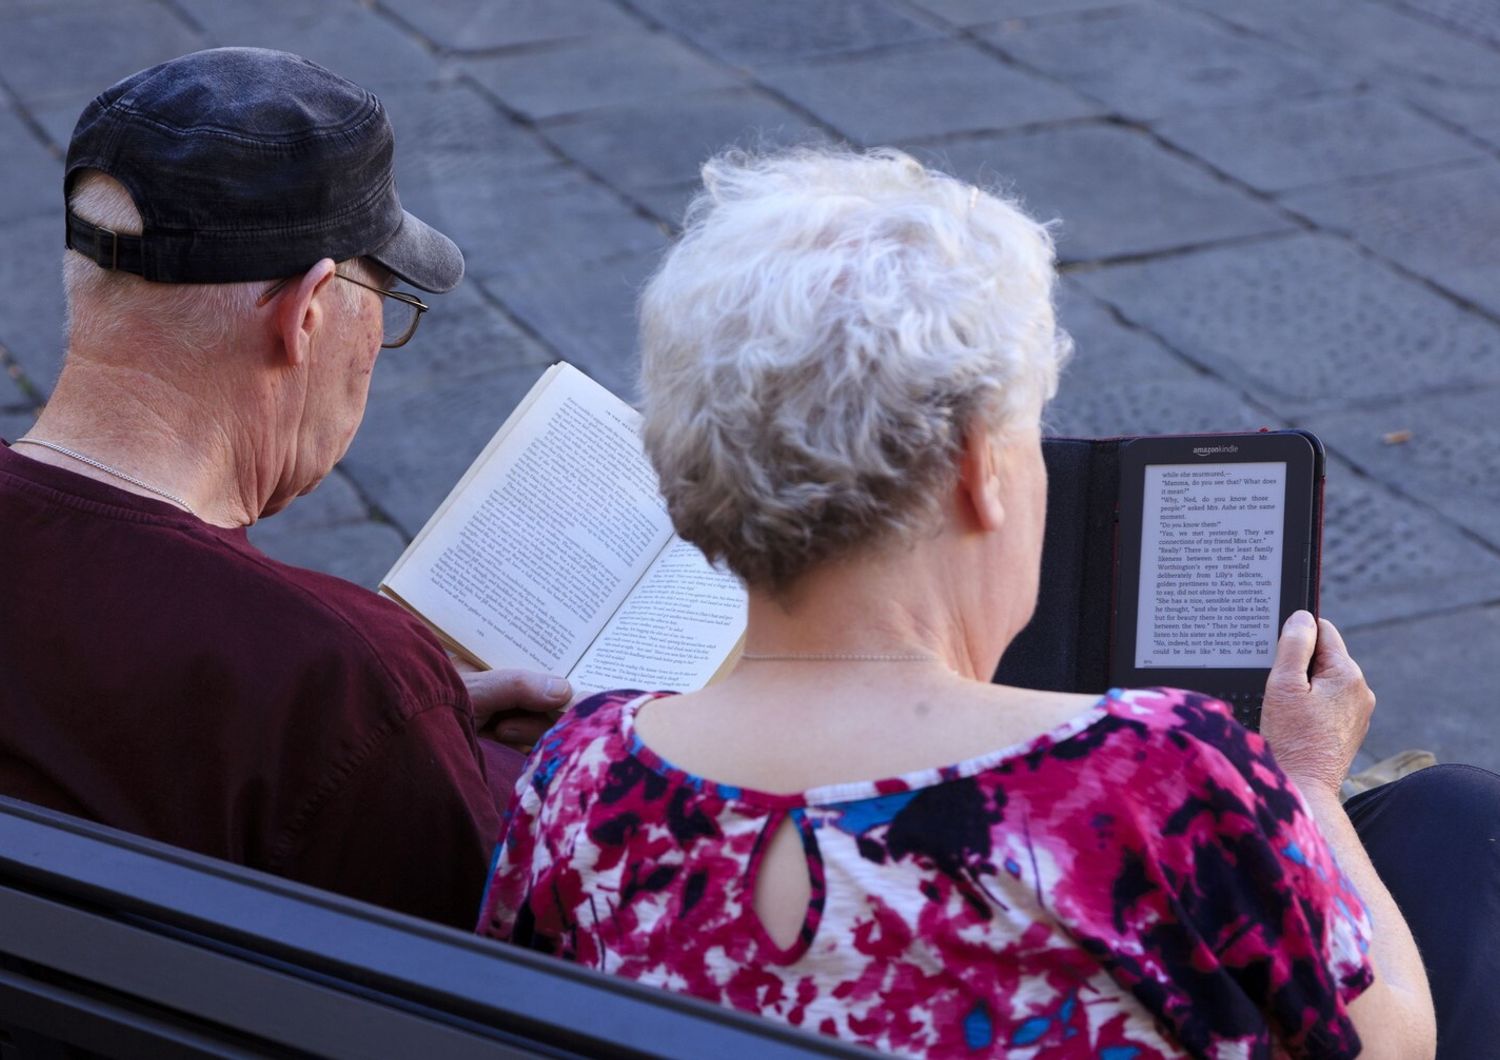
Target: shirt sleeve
x,y
1246,923
503,912
538,827
1227,915
411,825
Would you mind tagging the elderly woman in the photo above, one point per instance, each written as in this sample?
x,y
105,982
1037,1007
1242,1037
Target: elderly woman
x,y
845,360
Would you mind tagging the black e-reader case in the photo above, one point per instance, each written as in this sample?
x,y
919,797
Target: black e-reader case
x,y
1082,632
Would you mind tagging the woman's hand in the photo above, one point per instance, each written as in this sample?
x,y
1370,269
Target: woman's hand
x,y
1315,724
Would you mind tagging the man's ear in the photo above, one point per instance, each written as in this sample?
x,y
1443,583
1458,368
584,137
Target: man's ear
x,y
301,311
979,476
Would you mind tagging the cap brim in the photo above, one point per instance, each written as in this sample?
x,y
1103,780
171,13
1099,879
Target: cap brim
x,y
422,256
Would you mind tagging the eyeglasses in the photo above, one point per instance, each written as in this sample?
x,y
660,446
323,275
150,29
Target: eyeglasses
x,y
400,312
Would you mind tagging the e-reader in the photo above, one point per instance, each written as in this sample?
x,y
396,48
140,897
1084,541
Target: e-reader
x,y
1217,543
1226,528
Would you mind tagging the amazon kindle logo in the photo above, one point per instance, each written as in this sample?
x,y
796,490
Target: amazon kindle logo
x,y
1210,450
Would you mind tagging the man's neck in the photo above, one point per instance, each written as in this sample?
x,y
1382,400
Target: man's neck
x,y
137,424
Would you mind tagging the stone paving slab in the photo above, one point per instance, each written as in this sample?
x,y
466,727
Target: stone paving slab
x,y
337,34
1156,200
451,143
484,25
31,296
325,532
117,37
12,396
1317,141
665,143
1472,112
416,442
1122,381
603,71
335,501
590,320
1409,55
57,117
1105,351
783,30
553,220
1150,62
984,12
464,336
1474,18
1189,405
138,33
1371,40
357,552
1444,225
1386,557
452,132
30,176
1304,322
667,202
1449,463
14,423
1435,680
923,91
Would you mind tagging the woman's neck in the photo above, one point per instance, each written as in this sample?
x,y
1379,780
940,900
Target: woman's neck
x,y
880,607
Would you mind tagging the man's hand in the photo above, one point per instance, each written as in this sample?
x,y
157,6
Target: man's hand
x,y
514,706
1315,724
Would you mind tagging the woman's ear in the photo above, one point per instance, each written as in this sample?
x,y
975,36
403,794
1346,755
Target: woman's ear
x,y
301,312
979,476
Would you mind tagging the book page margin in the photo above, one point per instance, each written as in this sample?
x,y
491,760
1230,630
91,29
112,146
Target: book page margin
x,y
496,440
594,394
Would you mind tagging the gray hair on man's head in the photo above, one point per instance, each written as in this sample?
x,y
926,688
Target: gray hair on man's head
x,y
819,340
101,302
104,304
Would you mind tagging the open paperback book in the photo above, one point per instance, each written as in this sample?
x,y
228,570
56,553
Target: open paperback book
x,y
554,552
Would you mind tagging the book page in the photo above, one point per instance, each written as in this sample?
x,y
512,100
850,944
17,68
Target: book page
x,y
480,461
674,631
552,529
1211,544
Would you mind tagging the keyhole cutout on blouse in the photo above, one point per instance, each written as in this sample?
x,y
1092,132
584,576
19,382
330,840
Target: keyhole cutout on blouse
x,y
783,885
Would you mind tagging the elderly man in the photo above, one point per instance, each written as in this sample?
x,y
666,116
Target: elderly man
x,y
234,235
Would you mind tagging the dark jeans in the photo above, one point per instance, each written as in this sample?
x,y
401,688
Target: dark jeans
x,y
1434,837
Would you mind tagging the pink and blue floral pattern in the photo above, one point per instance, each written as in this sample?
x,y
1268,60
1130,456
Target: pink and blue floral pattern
x,y
1141,882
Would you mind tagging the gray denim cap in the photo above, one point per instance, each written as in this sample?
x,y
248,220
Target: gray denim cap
x,y
250,164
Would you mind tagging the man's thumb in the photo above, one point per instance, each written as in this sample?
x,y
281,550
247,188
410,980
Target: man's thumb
x,y
1294,652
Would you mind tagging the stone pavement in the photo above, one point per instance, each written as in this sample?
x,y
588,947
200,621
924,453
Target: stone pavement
x,y
1282,212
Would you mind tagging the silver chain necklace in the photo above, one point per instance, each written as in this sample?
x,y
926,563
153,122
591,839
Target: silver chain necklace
x,y
102,466
837,656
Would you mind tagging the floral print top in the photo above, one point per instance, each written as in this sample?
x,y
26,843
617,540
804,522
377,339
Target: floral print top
x,y
1140,882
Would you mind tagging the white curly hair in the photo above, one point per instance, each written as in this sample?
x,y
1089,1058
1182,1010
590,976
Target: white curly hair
x,y
817,342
